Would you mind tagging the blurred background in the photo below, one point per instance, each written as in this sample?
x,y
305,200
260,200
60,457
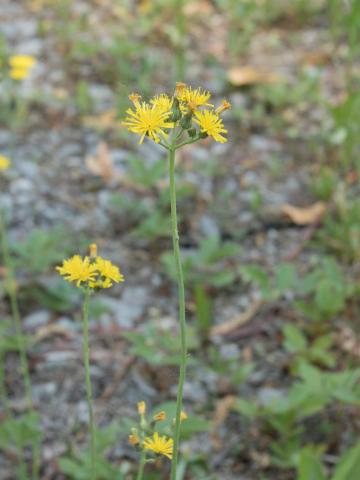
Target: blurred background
x,y
269,226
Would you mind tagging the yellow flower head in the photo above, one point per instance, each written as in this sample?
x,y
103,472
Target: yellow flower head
x,y
160,445
195,98
211,124
159,417
4,162
79,270
147,120
110,272
22,61
225,105
20,66
163,102
141,406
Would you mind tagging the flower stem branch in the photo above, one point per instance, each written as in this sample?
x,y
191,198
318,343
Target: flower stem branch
x,y
86,359
182,320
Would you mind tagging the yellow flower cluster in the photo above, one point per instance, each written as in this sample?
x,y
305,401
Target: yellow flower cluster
x,y
160,445
20,66
164,113
93,272
4,162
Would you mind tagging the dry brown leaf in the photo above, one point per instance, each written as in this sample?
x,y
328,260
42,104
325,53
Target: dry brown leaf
x,y
237,321
304,215
222,410
104,121
102,163
248,75
49,330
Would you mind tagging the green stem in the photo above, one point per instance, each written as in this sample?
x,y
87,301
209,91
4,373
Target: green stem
x,y
181,290
181,29
141,465
11,285
86,359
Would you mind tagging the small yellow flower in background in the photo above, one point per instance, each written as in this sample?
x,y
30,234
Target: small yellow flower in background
x,y
195,98
159,417
4,162
93,271
183,416
160,445
147,120
20,66
211,124
22,61
79,270
141,406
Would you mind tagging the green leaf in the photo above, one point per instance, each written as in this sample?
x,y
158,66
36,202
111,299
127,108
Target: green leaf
x,y
310,466
348,467
295,340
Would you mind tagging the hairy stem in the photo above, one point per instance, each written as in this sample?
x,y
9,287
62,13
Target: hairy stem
x,y
181,292
86,359
141,466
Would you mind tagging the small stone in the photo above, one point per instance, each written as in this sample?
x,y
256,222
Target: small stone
x,y
36,319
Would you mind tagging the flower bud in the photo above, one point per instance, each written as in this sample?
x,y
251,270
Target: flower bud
x,y
159,417
141,406
93,250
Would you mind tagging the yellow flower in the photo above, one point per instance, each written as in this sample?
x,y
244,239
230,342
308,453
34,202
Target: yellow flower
x,y
194,98
20,66
18,73
159,417
211,124
163,103
141,406
93,271
24,62
109,271
161,445
78,270
147,120
4,162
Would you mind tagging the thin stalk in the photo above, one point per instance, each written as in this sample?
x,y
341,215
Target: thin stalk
x,y
182,320
11,285
140,474
86,359
181,29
